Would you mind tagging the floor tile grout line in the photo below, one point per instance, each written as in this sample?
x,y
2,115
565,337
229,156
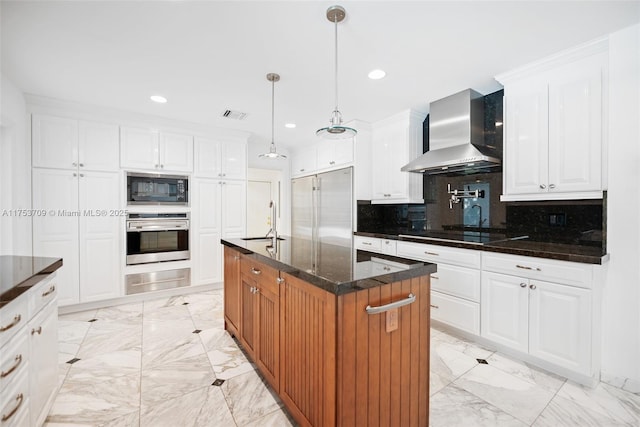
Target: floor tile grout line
x,y
549,402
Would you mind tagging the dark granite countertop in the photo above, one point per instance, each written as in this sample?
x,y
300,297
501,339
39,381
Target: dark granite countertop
x,y
19,273
520,245
336,269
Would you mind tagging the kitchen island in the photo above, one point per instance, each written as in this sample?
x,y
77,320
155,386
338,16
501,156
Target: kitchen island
x,y
341,335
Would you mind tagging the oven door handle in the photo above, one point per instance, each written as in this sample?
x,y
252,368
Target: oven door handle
x,y
155,226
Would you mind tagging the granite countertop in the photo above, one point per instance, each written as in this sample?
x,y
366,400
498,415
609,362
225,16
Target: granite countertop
x,y
520,245
334,268
19,273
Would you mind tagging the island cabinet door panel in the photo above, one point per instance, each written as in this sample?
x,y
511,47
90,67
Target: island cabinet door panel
x,y
231,290
308,352
248,321
383,358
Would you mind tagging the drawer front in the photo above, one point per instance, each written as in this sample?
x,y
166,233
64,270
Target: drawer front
x,y
14,402
388,247
457,312
439,254
265,275
368,243
13,317
42,294
569,273
457,281
13,359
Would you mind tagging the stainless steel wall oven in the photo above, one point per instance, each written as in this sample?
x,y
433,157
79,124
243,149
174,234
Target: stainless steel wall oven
x,y
157,237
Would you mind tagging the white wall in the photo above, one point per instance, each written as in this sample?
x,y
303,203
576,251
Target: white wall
x,y
277,183
621,305
15,171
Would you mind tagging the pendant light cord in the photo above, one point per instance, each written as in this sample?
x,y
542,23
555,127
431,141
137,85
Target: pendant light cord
x,y
335,21
273,91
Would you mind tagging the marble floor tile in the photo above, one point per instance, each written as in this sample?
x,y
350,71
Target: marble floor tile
x,y
129,420
72,332
229,362
110,336
174,379
117,312
104,367
604,400
454,407
277,418
519,398
97,403
563,412
169,350
167,314
448,359
248,398
204,407
154,304
526,372
81,316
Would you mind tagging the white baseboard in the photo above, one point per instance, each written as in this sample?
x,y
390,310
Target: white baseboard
x,y
627,384
129,299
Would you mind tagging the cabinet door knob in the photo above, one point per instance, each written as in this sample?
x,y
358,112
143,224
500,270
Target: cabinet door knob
x,y
523,285
542,186
36,331
161,166
75,174
81,175
74,164
255,271
532,286
332,162
81,165
157,166
280,280
552,186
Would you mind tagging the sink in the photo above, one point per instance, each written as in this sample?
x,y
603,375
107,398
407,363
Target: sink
x,y
260,239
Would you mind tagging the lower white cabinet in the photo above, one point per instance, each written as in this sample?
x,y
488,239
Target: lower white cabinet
x,y
29,357
547,320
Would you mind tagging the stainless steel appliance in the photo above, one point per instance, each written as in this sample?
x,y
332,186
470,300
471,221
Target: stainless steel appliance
x,y
157,280
322,207
156,237
155,189
457,142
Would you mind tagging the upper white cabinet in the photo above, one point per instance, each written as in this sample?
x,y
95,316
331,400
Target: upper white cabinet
x,y
396,141
153,150
331,153
554,127
220,159
63,143
304,161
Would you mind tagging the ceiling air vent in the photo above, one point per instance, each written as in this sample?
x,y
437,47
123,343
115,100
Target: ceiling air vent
x,y
236,115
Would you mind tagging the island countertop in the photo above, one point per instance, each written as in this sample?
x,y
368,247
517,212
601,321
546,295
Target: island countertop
x,y
334,268
19,273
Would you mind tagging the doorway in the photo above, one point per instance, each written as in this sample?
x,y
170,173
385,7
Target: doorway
x,y
262,186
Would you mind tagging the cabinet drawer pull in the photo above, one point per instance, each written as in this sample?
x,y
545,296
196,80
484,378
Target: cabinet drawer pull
x,y
255,271
19,399
434,306
435,277
367,243
18,360
36,331
524,267
375,310
16,320
431,253
51,290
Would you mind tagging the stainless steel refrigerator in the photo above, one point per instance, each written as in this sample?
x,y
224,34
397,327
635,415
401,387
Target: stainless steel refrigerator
x,y
322,207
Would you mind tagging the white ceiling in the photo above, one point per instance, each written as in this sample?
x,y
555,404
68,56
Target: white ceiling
x,y
207,56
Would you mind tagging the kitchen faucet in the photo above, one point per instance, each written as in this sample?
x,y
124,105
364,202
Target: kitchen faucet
x,y
273,233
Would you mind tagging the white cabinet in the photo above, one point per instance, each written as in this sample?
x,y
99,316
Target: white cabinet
x,y
396,141
373,244
64,143
304,161
555,127
219,211
332,153
221,159
153,150
455,287
79,226
43,370
541,307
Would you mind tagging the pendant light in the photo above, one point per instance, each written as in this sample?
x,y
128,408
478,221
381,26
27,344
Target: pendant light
x,y
272,154
335,130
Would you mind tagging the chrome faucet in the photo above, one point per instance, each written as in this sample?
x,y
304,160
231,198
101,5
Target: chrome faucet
x,y
273,233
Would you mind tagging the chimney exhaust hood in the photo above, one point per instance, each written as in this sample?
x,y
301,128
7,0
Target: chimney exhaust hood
x,y
456,138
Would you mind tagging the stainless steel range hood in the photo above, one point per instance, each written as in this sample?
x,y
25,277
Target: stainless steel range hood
x,y
456,138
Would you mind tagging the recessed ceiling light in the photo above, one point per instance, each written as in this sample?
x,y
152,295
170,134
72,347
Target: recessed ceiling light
x,y
376,74
159,99
290,125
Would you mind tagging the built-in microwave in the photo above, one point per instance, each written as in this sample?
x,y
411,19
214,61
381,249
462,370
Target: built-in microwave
x,y
157,189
